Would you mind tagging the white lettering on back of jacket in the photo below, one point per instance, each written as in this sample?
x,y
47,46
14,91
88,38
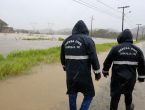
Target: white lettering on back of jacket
x,y
127,51
73,44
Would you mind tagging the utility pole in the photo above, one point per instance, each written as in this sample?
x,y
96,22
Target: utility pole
x,y
137,31
92,18
123,7
143,32
33,25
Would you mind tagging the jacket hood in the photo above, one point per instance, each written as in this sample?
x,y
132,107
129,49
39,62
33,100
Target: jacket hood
x,y
125,36
80,28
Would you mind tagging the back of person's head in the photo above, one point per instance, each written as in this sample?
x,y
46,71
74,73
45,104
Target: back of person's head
x,y
125,36
80,28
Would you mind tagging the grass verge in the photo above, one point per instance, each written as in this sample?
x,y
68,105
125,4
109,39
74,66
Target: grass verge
x,y
18,62
1,57
104,47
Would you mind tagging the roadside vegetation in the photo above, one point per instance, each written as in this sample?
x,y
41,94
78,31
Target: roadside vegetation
x,y
104,33
59,39
1,57
104,47
36,39
17,63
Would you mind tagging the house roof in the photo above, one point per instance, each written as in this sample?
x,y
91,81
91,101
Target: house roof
x,y
3,23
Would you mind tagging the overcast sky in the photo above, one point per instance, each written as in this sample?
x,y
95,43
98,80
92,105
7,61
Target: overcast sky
x,y
58,14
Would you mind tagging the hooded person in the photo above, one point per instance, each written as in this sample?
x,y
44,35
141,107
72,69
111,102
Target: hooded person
x,y
78,56
126,59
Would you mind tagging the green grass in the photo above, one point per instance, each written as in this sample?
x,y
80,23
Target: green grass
x,y
1,57
18,62
104,47
60,39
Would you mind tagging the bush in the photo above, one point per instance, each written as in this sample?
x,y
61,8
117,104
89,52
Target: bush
x,y
1,57
60,39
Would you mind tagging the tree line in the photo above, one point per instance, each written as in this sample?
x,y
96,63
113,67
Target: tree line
x,y
104,33
98,33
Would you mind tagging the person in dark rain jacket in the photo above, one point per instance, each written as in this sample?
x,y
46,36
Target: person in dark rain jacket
x,y
78,54
126,59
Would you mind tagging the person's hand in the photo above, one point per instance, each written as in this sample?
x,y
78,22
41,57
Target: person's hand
x,y
105,73
63,67
140,80
97,76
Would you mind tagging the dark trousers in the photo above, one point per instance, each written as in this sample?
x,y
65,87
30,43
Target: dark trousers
x,y
85,104
115,100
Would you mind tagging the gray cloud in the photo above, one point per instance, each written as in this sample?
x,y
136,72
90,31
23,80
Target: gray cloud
x,y
58,14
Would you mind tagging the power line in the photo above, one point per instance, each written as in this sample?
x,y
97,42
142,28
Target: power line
x,y
129,21
92,6
104,11
95,8
112,8
83,4
108,6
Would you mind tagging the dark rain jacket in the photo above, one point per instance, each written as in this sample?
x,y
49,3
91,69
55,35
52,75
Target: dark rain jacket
x,y
78,54
126,59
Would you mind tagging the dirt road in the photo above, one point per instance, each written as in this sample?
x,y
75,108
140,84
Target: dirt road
x,y
44,89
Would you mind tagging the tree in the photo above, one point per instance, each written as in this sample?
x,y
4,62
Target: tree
x,y
104,33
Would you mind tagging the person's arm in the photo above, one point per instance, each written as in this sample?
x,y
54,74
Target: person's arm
x,y
94,59
108,62
141,68
62,56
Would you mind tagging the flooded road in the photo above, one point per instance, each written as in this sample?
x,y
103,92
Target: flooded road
x,y
14,42
35,91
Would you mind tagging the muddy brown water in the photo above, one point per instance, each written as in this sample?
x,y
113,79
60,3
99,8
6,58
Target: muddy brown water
x,y
44,89
14,42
